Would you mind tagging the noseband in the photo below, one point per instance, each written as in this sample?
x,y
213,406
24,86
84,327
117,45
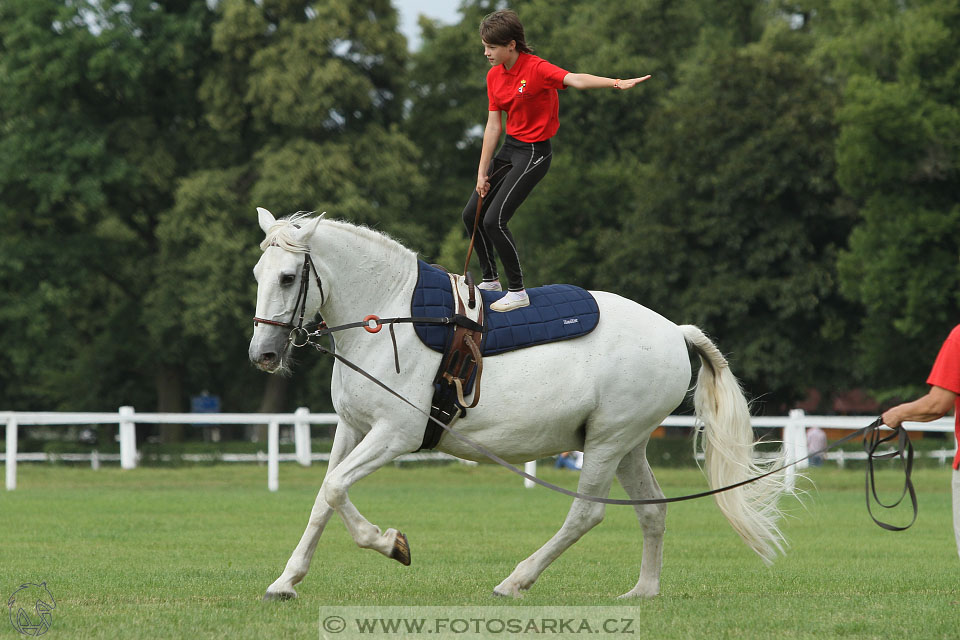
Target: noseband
x,y
298,335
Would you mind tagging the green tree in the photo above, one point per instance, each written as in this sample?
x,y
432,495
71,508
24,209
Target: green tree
x,y
447,112
736,224
898,158
305,99
137,138
97,122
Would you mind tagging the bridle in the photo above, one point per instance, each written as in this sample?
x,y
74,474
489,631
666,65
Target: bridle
x,y
298,335
301,336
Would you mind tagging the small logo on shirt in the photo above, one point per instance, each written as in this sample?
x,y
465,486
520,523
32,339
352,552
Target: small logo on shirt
x,y
523,85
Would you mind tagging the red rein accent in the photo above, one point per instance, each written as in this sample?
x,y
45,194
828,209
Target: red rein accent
x,y
376,327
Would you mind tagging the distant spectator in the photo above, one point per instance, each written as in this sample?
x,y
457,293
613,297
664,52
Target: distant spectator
x,y
570,460
816,443
944,381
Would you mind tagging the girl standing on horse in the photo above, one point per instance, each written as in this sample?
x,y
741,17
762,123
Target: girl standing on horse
x,y
525,88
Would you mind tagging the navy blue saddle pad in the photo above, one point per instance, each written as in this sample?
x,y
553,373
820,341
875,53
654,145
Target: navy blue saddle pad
x,y
556,312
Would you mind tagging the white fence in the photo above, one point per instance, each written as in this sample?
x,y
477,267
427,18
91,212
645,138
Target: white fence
x,y
128,419
794,429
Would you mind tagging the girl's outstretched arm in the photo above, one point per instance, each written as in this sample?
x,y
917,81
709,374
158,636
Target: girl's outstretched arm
x,y
587,81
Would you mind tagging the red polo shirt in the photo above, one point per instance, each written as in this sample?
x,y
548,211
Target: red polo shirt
x,y
528,93
946,375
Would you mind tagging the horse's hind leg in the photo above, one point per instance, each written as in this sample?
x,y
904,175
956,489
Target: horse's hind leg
x,y
299,563
637,480
595,480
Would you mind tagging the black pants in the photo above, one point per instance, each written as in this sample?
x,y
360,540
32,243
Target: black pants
x,y
515,170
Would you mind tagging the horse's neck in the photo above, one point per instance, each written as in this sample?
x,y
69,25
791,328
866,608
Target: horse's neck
x,y
367,273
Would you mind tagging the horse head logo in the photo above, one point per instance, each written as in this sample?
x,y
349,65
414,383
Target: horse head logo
x,y
30,608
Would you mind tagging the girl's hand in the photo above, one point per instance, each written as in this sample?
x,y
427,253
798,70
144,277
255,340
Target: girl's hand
x,y
630,83
483,185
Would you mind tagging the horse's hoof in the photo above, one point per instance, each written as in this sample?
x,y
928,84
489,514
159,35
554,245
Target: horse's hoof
x,y
510,592
279,595
401,550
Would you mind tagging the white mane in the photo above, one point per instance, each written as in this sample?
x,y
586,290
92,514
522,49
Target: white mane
x,y
284,234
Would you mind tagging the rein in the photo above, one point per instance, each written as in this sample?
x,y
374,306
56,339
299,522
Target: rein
x,y
473,236
373,324
872,440
300,337
870,433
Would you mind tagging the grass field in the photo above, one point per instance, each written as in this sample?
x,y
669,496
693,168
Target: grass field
x,y
188,552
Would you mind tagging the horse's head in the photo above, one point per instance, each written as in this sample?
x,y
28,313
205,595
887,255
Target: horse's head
x,y
284,292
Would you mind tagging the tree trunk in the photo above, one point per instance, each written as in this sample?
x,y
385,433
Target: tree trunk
x,y
274,401
169,381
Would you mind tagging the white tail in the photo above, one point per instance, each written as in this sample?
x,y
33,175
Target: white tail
x,y
725,430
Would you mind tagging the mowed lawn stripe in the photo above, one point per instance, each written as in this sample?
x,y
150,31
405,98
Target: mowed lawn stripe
x,y
188,552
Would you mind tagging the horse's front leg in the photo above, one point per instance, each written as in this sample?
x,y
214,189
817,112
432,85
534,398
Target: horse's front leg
x,y
378,448
344,441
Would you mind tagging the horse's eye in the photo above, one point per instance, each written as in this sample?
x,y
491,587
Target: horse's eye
x,y
287,279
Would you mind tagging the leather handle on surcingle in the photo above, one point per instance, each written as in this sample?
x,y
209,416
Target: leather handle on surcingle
x,y
472,290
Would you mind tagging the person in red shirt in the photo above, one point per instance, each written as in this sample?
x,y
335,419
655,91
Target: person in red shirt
x,y
944,394
524,87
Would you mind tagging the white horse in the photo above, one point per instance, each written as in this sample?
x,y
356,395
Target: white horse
x,y
617,384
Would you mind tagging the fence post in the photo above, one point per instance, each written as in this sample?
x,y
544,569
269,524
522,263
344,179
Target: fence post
x,y
301,436
794,445
11,453
273,456
801,437
128,439
531,468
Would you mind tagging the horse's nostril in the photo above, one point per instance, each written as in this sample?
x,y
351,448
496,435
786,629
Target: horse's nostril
x,y
268,358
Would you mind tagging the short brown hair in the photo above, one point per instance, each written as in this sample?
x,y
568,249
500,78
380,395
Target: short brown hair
x,y
500,27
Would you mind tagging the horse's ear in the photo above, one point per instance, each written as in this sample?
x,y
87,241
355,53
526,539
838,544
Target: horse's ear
x,y
266,219
310,226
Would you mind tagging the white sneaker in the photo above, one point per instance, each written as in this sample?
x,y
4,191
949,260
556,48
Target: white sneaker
x,y
513,300
492,285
